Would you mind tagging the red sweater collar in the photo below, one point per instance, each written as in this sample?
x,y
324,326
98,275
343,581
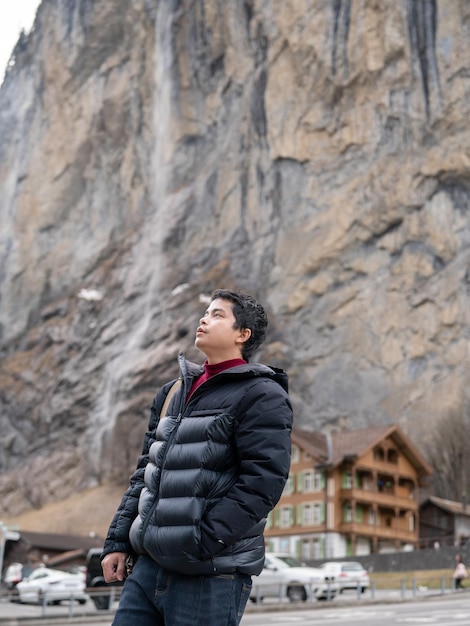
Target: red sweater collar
x,y
212,370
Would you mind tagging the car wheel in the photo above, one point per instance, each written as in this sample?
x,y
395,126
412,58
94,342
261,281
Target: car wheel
x,y
296,594
363,589
101,602
81,601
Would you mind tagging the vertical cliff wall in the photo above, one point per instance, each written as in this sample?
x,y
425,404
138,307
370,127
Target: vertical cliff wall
x,y
314,153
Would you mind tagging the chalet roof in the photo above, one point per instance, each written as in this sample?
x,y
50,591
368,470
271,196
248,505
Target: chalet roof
x,y
333,449
456,508
313,441
354,443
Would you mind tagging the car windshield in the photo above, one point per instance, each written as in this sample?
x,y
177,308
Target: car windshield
x,y
352,567
290,561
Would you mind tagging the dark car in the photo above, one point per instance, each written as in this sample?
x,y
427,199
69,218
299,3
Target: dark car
x,y
95,580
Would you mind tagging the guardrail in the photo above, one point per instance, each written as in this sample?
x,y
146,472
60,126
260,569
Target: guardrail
x,y
103,599
378,589
398,590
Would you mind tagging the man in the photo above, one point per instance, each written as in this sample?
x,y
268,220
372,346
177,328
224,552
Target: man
x,y
212,467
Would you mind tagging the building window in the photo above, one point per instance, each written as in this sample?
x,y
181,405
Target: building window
x,y
308,481
313,481
286,517
318,513
311,514
295,454
318,549
379,454
347,481
392,456
289,486
318,481
347,513
305,549
371,517
307,515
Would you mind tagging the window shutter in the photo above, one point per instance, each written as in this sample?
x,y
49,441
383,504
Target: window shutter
x,y
300,482
300,515
277,517
323,479
298,549
359,513
322,513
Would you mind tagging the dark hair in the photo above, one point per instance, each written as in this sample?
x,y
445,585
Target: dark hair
x,y
248,313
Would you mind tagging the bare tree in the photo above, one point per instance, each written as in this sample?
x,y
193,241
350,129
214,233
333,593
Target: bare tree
x,y
448,453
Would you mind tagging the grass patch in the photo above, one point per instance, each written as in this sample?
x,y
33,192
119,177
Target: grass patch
x,y
432,579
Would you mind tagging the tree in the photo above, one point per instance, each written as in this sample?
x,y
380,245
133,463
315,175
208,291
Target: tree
x,y
448,454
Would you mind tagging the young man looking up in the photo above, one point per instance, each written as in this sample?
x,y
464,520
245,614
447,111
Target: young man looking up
x,y
211,470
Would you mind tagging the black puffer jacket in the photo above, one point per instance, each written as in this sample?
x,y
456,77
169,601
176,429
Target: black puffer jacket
x,y
210,472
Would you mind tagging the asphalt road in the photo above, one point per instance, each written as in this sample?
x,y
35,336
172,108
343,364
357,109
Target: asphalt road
x,y
388,610
451,610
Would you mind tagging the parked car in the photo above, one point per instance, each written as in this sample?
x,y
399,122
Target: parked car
x,y
349,574
14,573
95,580
51,586
284,574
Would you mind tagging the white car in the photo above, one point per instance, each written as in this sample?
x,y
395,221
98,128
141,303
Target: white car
x,y
284,576
13,575
51,586
349,574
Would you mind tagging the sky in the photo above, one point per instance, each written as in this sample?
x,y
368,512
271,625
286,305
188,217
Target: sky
x,y
14,15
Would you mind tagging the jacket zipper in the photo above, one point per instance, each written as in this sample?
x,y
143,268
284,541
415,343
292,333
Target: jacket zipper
x,y
167,447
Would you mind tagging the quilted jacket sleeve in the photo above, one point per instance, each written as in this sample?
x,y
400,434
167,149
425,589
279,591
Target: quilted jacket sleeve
x,y
117,539
264,446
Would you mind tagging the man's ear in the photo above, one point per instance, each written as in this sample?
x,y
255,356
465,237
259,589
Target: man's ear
x,y
244,335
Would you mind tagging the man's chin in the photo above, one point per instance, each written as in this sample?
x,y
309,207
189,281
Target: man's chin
x,y
199,342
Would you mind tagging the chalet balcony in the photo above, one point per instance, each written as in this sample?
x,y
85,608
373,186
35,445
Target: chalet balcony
x,y
381,498
381,532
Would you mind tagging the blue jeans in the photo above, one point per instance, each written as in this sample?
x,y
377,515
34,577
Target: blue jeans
x,y
152,596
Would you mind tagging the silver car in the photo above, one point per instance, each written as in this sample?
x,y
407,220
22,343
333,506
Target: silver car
x,y
283,576
348,574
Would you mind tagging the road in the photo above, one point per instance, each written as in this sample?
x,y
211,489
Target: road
x,y
453,609
442,611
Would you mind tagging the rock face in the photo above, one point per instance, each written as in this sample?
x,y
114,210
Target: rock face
x,y
316,154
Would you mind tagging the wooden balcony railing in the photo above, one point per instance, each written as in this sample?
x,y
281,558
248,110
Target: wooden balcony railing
x,y
380,498
381,532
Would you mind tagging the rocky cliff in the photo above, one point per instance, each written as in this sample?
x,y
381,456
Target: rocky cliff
x,y
316,154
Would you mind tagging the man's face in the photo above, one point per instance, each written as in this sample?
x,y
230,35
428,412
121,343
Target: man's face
x,y
216,335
